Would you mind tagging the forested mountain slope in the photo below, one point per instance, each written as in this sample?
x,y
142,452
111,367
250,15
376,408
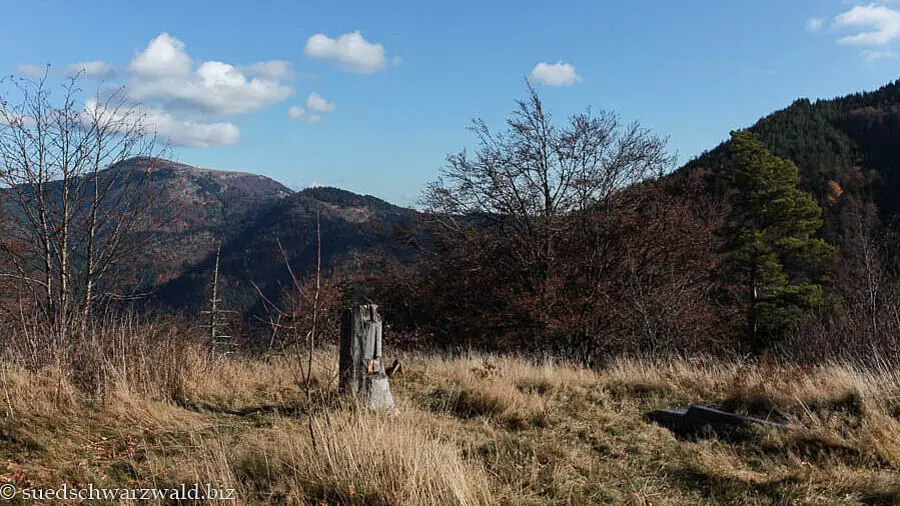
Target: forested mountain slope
x,y
350,224
843,146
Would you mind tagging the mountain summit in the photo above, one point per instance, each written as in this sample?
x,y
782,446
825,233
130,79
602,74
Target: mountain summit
x,y
196,208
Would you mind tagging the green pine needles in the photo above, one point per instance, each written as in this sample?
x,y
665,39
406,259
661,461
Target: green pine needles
x,y
772,254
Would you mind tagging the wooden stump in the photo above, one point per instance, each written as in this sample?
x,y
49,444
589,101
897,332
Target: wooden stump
x,y
362,372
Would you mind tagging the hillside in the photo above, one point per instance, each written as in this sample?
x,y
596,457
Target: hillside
x,y
350,224
190,209
853,141
196,208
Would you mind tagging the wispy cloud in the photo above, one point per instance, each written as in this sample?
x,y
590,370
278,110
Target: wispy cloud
x,y
873,56
295,112
28,70
95,69
814,25
880,24
299,113
274,69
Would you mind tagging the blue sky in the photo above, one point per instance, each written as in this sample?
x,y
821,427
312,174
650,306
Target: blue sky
x,y
396,83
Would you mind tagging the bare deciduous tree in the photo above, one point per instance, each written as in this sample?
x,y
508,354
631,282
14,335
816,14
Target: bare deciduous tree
x,y
529,180
74,204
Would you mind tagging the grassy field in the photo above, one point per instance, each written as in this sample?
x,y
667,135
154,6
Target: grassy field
x,y
480,430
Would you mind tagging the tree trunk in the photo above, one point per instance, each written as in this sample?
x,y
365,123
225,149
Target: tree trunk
x,y
362,372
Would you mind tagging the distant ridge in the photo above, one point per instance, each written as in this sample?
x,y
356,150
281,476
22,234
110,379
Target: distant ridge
x,y
350,224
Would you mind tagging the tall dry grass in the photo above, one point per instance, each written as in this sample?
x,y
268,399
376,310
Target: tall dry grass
x,y
148,405
350,457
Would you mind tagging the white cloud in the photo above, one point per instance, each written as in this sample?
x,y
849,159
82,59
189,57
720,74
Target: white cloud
x,y
193,133
814,25
350,52
300,113
556,74
872,56
273,69
184,98
164,56
31,70
883,24
179,132
295,112
94,69
165,72
316,103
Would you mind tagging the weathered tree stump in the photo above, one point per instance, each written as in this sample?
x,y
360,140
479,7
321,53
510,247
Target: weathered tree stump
x,y
362,372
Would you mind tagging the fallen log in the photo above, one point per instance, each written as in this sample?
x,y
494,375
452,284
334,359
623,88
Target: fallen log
x,y
698,420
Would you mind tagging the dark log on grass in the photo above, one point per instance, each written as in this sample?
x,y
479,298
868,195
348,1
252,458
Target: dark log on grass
x,y
699,420
362,372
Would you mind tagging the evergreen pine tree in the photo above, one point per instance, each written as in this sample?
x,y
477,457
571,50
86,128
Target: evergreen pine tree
x,y
772,253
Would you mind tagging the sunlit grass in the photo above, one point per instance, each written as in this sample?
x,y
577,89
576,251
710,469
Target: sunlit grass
x,y
482,430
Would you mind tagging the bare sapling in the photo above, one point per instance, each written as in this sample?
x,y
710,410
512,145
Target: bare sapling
x,y
75,195
295,321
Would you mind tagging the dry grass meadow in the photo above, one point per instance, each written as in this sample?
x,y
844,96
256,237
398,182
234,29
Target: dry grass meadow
x,y
469,431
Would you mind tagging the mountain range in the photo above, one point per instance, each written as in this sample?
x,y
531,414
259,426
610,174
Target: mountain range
x,y
846,148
